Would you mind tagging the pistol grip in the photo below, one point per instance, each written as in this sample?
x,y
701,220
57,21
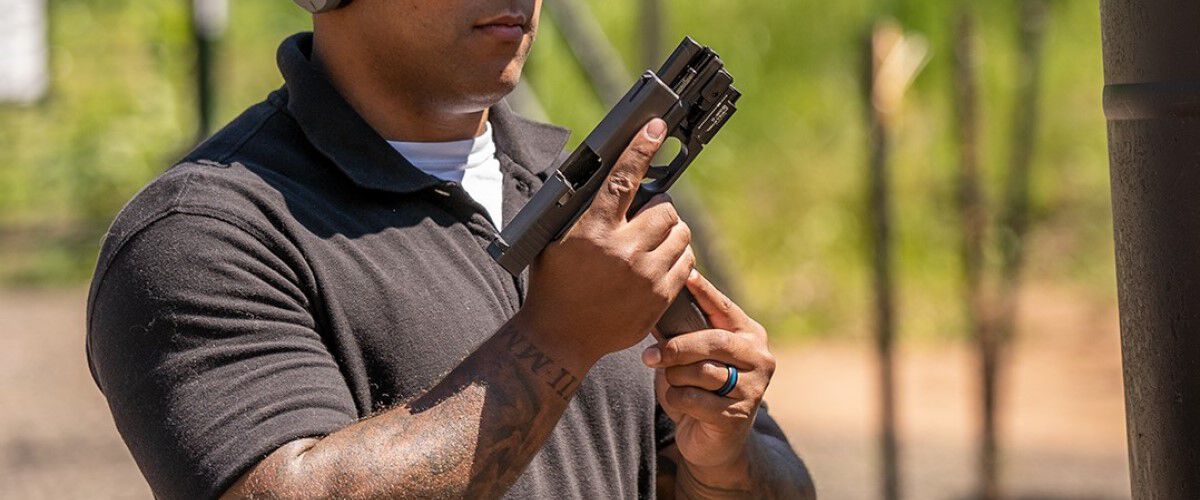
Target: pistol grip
x,y
682,316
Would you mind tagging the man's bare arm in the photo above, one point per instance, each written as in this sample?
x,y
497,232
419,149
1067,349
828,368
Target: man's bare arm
x,y
471,435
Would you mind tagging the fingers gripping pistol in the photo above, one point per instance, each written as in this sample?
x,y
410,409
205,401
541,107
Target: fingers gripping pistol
x,y
694,95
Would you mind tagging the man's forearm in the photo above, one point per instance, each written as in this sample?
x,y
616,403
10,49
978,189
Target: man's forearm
x,y
471,435
770,470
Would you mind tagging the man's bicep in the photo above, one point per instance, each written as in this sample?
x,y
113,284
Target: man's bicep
x,y
201,339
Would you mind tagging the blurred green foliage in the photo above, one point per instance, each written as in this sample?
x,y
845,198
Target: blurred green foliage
x,y
783,182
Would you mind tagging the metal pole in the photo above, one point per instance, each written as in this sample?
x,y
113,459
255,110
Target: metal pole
x,y
651,23
597,57
996,337
885,330
879,232
974,222
209,18
892,61
1152,102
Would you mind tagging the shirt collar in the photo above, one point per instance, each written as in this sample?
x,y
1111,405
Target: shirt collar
x,y
338,132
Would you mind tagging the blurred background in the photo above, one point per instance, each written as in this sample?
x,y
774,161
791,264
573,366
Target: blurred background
x,y
913,198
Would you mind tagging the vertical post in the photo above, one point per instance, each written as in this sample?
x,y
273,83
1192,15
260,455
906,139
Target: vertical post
x,y
1015,219
892,62
974,222
209,18
881,277
996,336
597,58
879,215
1152,102
651,23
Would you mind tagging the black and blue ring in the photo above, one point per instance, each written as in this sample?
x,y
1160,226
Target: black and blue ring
x,y
730,382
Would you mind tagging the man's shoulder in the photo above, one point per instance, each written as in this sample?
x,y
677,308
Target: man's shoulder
x,y
242,174
193,187
264,135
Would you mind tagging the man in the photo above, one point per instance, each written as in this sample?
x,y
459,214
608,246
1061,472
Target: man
x,y
305,308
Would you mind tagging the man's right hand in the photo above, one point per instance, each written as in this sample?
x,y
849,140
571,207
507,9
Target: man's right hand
x,y
602,286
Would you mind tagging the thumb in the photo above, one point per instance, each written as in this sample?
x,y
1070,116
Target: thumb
x,y
615,197
722,313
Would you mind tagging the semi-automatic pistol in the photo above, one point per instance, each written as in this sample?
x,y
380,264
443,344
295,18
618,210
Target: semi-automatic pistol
x,y
694,95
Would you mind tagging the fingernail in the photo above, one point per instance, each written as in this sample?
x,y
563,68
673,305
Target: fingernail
x,y
694,275
651,356
656,129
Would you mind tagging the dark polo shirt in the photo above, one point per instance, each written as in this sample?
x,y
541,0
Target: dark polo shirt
x,y
295,274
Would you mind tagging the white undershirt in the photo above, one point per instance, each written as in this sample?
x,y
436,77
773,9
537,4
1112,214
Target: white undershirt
x,y
471,163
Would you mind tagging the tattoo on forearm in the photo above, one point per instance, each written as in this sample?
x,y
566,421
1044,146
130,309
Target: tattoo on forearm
x,y
470,436
562,381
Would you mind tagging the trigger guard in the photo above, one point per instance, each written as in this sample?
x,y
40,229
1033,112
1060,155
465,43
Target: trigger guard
x,y
658,172
663,176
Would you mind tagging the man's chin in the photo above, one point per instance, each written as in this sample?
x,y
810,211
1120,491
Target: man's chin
x,y
508,83
499,85
484,97
501,90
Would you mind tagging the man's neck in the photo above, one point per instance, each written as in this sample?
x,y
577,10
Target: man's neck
x,y
394,110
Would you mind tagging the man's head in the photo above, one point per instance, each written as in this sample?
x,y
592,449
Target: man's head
x,y
459,55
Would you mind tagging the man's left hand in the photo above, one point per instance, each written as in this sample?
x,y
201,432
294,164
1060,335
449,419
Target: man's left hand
x,y
713,432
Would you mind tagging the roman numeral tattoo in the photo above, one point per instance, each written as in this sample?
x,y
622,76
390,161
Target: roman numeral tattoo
x,y
528,355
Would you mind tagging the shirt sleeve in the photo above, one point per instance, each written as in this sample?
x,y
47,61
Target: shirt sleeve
x,y
204,344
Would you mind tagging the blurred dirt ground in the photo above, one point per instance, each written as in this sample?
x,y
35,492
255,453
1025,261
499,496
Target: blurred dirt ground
x,y
1063,431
